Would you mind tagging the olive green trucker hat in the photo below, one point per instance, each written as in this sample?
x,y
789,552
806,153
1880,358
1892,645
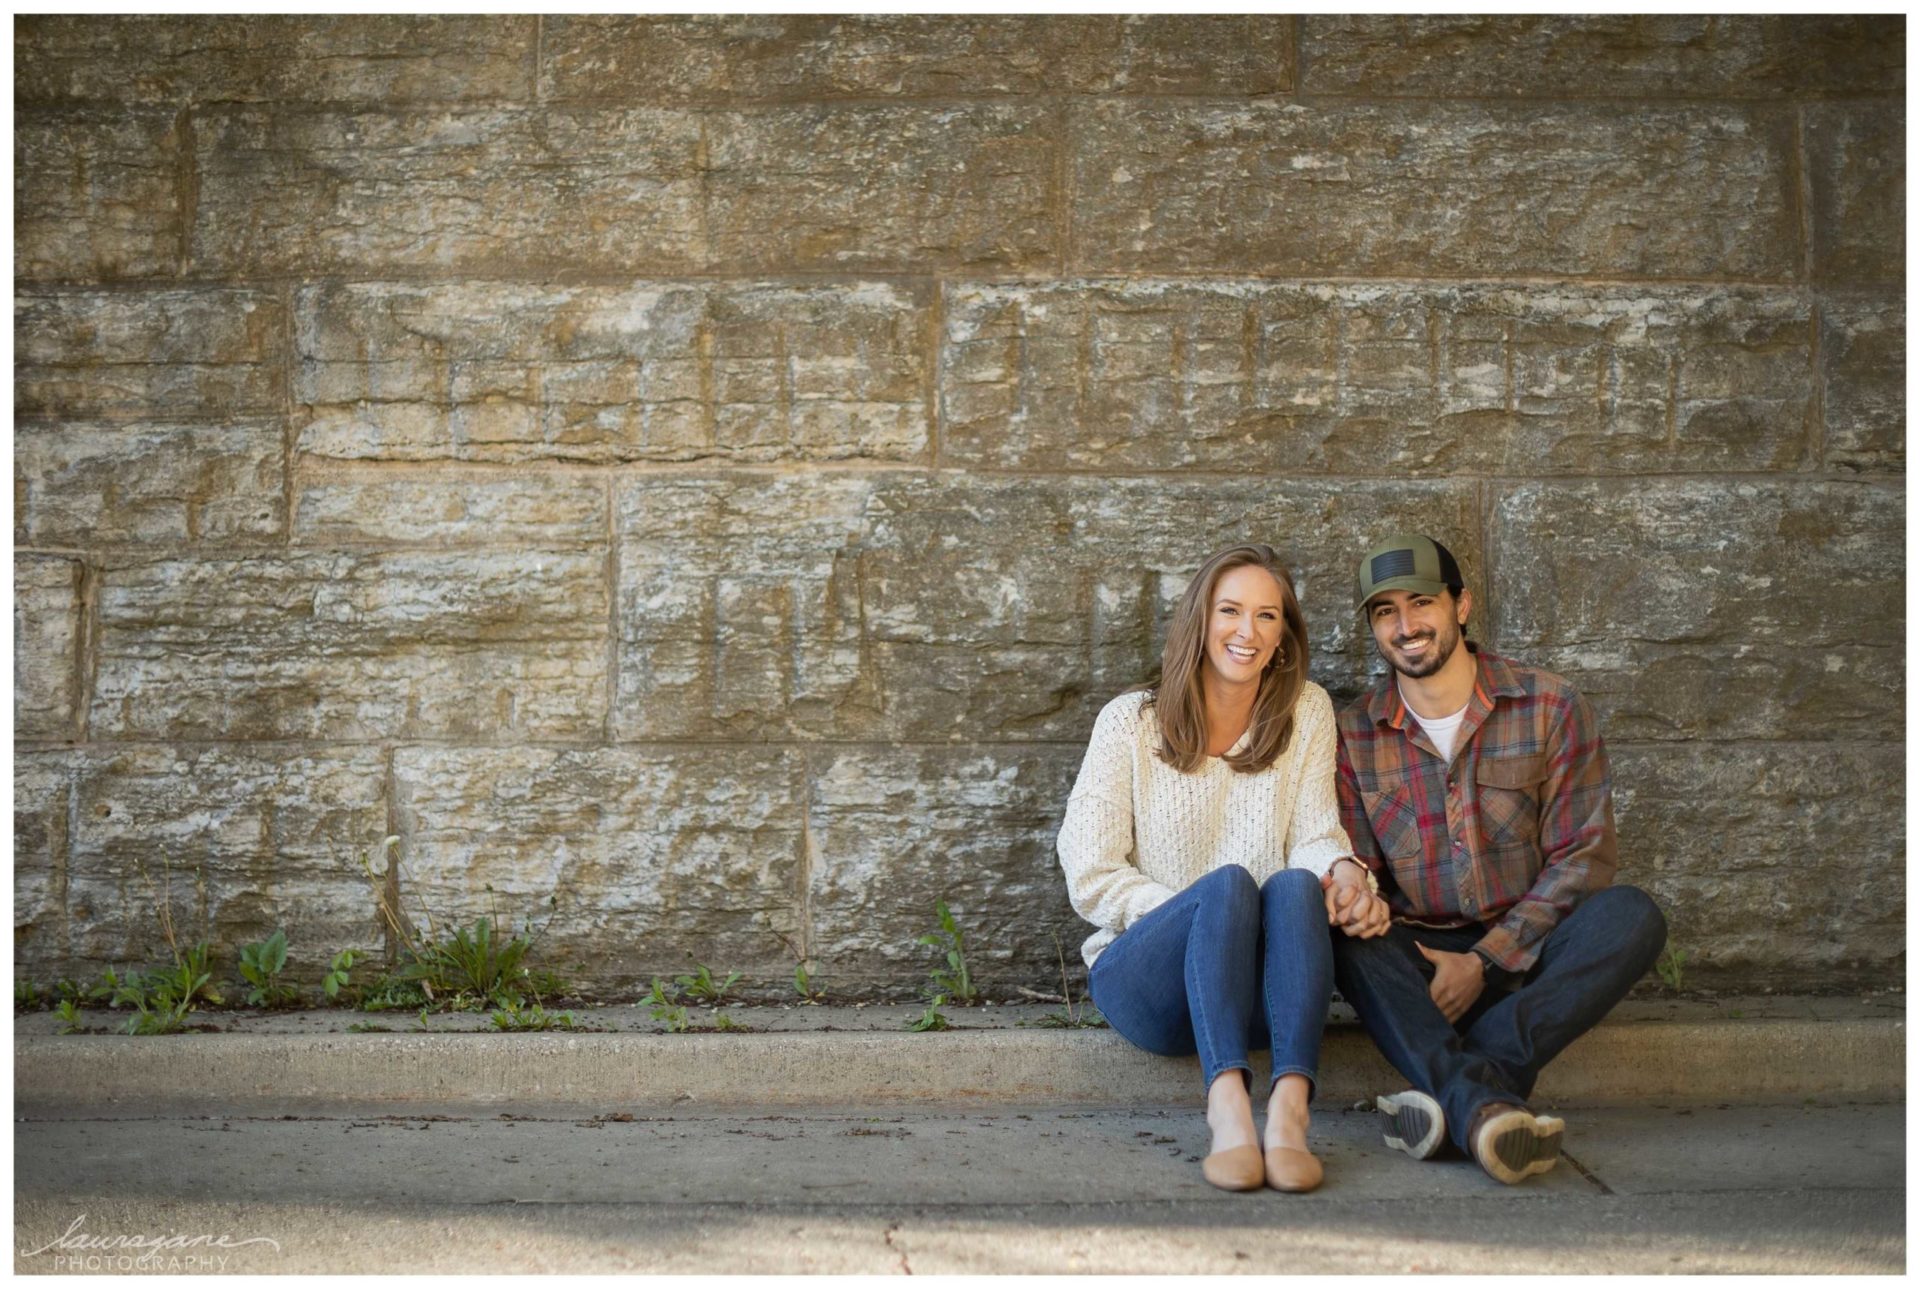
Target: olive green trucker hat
x,y
1408,562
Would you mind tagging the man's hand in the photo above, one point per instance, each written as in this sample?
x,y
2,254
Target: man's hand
x,y
1351,906
1457,980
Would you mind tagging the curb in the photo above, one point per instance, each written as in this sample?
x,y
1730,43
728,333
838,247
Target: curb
x,y
1616,1064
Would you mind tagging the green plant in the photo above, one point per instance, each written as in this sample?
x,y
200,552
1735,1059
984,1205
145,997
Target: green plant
x,y
663,1003
69,1016
340,975
543,983
953,982
807,985
26,995
806,978
514,1017
391,994
107,989
1086,1018
931,1019
471,962
474,968
261,965
162,999
1672,966
727,1024
368,1027
702,987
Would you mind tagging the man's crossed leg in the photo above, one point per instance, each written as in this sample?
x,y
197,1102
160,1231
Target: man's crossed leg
x,y
1479,1071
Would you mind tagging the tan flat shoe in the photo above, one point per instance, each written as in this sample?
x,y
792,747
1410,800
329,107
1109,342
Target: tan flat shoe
x,y
1292,1170
1238,1168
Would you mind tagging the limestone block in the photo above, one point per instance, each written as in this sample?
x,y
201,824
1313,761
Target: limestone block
x,y
96,192
1433,189
1738,845
1710,609
1603,55
903,606
81,484
397,644
243,840
731,59
1863,356
390,58
47,622
455,190
651,853
42,823
890,187
200,352
898,829
1374,379
542,510
1857,169
500,372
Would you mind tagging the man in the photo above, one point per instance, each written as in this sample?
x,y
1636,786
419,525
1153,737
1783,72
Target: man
x,y
1476,790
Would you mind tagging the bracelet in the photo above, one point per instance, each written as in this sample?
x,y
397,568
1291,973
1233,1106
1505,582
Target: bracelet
x,y
1373,883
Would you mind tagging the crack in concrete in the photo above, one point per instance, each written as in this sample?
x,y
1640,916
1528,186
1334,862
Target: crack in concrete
x,y
887,1236
1583,1170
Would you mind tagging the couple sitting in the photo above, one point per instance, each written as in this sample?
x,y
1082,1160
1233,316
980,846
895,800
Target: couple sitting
x,y
1442,850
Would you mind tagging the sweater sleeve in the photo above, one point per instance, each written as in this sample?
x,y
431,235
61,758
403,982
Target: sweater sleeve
x,y
1096,837
1315,839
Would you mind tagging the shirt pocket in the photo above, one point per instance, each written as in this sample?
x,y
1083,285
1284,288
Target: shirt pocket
x,y
1395,820
1508,793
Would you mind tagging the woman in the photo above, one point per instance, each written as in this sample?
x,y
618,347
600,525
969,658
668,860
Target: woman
x,y
1203,840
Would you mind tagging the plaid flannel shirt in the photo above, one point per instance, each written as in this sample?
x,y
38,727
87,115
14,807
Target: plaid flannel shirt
x,y
1511,835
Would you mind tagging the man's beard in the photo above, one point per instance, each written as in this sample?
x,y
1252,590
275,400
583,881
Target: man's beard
x,y
1444,643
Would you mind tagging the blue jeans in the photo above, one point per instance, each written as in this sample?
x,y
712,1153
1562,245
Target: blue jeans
x,y
1224,962
1496,1050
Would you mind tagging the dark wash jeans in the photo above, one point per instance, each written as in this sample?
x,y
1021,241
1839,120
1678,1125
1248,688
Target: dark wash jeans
x,y
1222,963
1496,1050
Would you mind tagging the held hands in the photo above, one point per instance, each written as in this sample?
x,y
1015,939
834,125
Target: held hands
x,y
1351,906
1457,980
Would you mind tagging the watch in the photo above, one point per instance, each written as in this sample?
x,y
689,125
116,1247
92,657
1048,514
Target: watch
x,y
1373,883
1491,972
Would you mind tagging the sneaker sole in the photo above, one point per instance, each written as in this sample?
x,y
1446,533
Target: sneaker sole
x,y
1419,1126
1517,1146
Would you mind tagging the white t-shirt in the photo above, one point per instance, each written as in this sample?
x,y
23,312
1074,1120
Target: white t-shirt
x,y
1441,729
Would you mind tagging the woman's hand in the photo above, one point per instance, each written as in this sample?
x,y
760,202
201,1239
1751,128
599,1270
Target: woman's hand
x,y
1351,906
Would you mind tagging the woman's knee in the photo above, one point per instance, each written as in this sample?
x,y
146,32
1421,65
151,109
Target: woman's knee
x,y
1293,885
1229,882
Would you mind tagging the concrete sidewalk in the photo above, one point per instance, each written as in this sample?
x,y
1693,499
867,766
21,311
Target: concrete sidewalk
x,y
1729,1049
1758,1135
1807,1188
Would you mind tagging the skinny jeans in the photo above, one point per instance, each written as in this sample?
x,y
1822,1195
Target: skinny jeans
x,y
1225,963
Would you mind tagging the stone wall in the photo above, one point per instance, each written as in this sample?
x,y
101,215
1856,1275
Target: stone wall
x,y
712,470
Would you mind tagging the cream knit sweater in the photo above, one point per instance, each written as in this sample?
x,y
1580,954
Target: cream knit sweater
x,y
1138,831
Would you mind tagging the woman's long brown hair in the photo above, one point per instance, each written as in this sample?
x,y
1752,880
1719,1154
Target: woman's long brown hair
x,y
1176,695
